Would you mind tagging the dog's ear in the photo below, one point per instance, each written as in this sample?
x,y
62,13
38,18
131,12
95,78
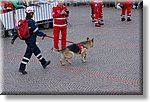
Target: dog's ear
x,y
88,38
92,40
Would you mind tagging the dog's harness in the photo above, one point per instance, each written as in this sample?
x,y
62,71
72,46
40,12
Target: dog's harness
x,y
81,47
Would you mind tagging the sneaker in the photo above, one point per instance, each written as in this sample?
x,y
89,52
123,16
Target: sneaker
x,y
55,50
23,72
123,19
46,64
128,19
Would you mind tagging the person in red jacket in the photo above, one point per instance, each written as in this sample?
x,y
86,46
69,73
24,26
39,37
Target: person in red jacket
x,y
8,5
98,13
60,13
126,6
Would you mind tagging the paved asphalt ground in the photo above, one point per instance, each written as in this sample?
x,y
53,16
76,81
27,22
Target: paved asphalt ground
x,y
114,64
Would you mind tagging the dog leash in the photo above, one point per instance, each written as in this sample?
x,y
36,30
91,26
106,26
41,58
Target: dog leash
x,y
48,36
80,46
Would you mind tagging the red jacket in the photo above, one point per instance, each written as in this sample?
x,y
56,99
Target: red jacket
x,y
59,19
97,6
128,2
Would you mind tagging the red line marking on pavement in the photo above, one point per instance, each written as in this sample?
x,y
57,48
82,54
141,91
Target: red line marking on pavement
x,y
129,81
82,69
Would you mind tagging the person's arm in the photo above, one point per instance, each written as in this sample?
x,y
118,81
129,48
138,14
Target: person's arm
x,y
26,2
67,13
14,38
55,14
15,4
35,29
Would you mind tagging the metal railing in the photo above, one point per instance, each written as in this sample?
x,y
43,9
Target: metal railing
x,y
42,13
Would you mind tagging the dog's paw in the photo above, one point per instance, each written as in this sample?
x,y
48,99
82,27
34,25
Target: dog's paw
x,y
62,64
69,62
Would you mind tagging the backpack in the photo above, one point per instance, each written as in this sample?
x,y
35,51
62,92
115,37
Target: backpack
x,y
23,29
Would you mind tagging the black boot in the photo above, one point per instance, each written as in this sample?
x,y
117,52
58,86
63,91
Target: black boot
x,y
128,19
123,19
23,72
46,64
93,20
22,69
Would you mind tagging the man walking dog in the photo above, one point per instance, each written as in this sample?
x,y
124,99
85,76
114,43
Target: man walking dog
x,y
31,43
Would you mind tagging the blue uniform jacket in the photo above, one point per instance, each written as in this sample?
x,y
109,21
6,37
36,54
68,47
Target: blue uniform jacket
x,y
34,30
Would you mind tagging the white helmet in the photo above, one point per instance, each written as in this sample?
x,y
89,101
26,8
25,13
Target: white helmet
x,y
29,10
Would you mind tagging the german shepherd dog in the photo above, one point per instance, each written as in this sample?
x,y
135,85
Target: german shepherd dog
x,y
77,48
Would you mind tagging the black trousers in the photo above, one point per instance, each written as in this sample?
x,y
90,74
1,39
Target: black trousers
x,y
32,48
92,11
